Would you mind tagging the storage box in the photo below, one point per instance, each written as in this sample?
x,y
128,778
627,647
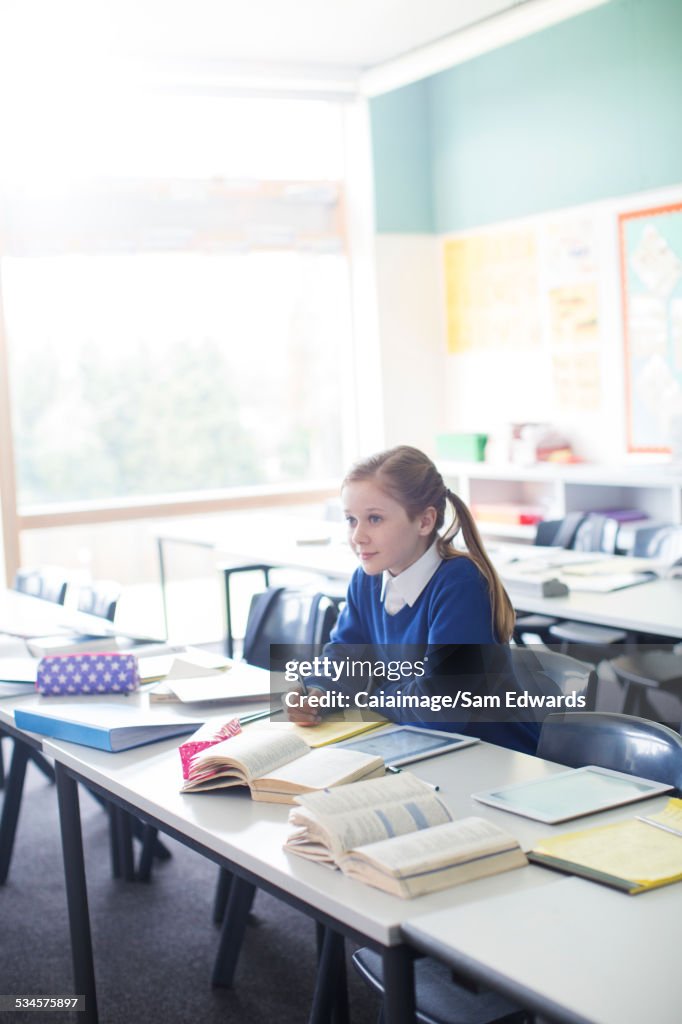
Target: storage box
x,y
463,447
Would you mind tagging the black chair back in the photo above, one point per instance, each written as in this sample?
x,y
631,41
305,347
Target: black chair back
x,y
100,599
554,673
283,615
47,584
620,742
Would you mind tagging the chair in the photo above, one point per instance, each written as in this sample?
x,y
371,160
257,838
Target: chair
x,y
661,542
438,998
557,533
646,672
580,531
280,615
100,599
47,584
610,740
288,616
569,675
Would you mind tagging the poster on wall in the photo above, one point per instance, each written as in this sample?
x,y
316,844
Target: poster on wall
x,y
491,287
651,281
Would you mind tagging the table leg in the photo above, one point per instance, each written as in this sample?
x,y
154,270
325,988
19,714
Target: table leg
x,y
11,805
330,999
76,893
124,838
399,1005
162,578
232,934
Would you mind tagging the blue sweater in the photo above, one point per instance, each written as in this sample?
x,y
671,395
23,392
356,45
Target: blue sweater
x,y
450,627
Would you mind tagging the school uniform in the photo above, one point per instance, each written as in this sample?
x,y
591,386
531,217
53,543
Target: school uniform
x,y
437,612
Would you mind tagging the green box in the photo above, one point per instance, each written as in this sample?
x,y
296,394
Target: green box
x,y
462,447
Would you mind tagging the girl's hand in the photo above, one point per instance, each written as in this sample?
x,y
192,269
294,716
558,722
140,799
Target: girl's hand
x,y
303,714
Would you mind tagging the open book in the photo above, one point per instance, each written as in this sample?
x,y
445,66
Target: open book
x,y
276,766
397,835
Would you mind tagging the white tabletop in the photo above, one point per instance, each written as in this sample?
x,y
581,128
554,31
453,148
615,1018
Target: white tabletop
x,y
23,615
652,607
571,950
251,834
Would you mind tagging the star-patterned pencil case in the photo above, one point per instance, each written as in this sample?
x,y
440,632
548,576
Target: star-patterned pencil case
x,y
73,675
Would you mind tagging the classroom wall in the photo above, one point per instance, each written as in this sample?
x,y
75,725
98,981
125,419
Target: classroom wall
x,y
580,113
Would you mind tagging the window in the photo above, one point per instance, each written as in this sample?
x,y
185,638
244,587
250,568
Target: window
x,y
176,300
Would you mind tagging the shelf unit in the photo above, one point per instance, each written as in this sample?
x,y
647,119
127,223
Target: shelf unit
x,y
558,490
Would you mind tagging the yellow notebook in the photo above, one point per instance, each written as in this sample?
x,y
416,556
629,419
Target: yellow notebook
x,y
633,855
328,731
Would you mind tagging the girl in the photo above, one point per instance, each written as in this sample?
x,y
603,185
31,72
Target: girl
x,y
415,592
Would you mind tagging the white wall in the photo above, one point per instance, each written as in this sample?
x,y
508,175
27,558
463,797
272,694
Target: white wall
x,y
412,338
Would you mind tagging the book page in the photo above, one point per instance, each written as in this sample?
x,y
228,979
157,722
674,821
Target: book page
x,y
254,751
326,766
455,842
352,816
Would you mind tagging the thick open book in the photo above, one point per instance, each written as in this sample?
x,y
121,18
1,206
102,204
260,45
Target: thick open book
x,y
276,766
397,835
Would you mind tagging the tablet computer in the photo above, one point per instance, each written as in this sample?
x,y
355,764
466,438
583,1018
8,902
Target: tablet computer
x,y
402,744
571,794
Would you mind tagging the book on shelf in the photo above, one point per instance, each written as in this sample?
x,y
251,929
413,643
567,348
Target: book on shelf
x,y
396,834
276,765
102,723
634,856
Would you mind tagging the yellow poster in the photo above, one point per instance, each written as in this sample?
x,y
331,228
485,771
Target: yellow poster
x,y
491,290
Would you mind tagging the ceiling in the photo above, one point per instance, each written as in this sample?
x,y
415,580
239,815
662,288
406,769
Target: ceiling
x,y
204,40
348,34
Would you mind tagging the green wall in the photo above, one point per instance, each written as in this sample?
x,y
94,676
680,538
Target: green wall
x,y
401,150
584,110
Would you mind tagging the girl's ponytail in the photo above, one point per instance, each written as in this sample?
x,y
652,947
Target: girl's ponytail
x,y
502,609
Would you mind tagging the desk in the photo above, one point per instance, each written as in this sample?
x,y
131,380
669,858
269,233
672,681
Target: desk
x,y
246,837
654,607
575,951
23,615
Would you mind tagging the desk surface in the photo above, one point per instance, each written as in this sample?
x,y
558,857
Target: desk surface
x,y
576,951
251,834
22,615
653,607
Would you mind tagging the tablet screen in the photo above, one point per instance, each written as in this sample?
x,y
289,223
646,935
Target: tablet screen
x,y
398,746
571,794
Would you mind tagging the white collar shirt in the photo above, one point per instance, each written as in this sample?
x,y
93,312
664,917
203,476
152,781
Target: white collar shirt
x,y
405,588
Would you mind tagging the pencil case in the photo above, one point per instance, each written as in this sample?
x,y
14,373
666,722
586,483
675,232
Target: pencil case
x,y
74,675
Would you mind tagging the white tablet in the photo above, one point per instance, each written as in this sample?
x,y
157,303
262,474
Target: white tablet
x,y
571,794
402,744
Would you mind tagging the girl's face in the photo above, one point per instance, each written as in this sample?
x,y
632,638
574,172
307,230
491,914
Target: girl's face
x,y
379,530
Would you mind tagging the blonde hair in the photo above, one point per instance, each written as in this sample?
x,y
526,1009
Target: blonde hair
x,y
410,478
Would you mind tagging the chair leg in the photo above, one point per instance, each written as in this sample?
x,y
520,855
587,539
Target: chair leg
x,y
147,853
11,805
159,851
2,765
232,933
